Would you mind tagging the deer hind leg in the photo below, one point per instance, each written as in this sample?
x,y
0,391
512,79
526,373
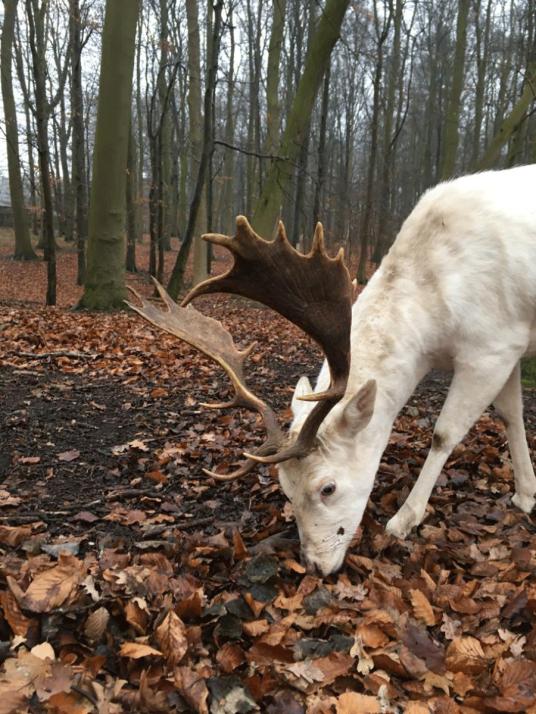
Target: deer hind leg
x,y
509,404
471,391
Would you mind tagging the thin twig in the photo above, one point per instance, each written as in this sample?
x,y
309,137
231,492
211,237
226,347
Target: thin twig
x,y
58,353
273,157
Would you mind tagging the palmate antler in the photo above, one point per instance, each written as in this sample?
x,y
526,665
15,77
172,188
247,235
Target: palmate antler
x,y
313,291
210,337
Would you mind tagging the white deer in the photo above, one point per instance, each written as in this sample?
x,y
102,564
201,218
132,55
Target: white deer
x,y
457,290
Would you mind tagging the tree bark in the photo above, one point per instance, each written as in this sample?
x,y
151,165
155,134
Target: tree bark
x,y
321,173
78,148
279,178
23,244
196,137
510,123
273,109
43,108
450,145
105,283
177,276
366,218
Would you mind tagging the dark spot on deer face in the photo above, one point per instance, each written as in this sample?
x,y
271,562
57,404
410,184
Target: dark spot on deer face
x,y
340,531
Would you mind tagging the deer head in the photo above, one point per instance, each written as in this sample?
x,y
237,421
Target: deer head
x,y
315,292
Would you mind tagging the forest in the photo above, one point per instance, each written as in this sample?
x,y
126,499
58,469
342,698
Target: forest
x,y
133,576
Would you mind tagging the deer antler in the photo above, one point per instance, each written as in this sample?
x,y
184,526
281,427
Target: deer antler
x,y
313,291
210,337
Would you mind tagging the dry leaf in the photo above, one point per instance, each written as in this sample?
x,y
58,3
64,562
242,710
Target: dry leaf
x,y
422,608
192,687
51,588
353,703
230,656
71,455
14,535
43,651
136,650
465,654
171,636
96,624
18,622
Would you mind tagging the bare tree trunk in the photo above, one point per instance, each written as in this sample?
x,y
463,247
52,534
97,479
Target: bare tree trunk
x,y
450,145
510,124
482,58
165,137
319,186
366,219
389,141
78,148
279,178
23,245
132,213
228,202
36,21
177,276
105,283
196,138
273,109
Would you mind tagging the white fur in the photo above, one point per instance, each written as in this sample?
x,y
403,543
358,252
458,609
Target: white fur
x,y
457,290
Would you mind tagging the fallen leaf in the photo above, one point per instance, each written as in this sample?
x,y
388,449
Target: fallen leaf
x,y
353,703
71,455
136,650
51,588
171,636
422,608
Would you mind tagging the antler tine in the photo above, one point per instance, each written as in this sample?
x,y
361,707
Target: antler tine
x,y
313,291
210,337
318,240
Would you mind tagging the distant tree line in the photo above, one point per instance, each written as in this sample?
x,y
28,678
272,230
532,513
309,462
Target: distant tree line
x,y
330,110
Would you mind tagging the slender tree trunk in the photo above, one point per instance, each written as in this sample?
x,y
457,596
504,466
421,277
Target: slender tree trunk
x,y
482,58
64,132
105,283
367,214
139,123
24,81
196,137
273,109
132,214
450,144
78,148
23,245
177,276
165,136
36,21
228,193
279,178
510,123
57,182
389,141
320,177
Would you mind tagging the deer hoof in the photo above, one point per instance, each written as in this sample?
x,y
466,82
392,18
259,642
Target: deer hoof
x,y
402,522
524,502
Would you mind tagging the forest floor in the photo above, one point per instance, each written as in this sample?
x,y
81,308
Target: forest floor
x,y
130,582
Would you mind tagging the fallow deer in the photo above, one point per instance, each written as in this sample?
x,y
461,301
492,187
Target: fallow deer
x,y
457,290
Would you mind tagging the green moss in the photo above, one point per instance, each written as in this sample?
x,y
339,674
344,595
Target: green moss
x,y
528,372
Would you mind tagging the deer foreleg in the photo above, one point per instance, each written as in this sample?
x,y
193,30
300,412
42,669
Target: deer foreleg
x,y
471,391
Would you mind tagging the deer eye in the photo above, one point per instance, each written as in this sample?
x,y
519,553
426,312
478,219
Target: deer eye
x,y
328,490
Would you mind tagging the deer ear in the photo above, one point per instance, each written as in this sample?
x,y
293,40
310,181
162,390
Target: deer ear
x,y
358,412
303,387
